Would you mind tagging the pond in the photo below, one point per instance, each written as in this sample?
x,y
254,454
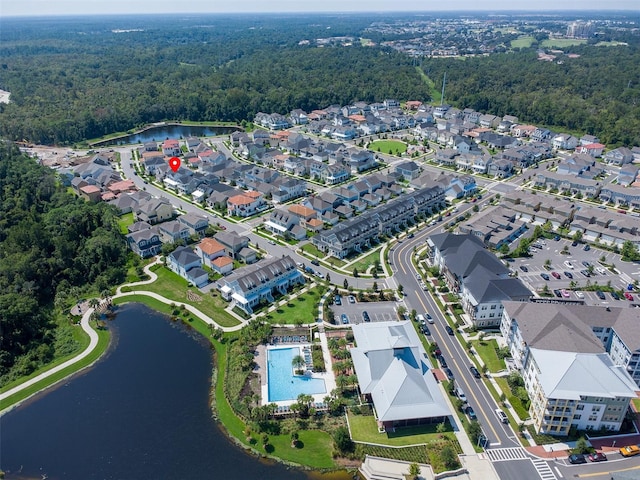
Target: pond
x,y
141,412
162,132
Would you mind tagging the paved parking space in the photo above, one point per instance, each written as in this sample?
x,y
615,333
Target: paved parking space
x,y
378,311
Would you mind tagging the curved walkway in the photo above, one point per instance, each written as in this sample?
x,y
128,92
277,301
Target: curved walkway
x,y
93,336
93,342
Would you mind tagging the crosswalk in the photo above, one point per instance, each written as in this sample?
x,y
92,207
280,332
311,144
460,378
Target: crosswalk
x,y
519,453
506,454
543,469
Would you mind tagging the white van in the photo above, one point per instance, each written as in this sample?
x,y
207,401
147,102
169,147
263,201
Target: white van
x,y
501,416
420,319
460,394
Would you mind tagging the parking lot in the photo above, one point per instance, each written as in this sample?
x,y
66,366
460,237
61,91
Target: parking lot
x,y
552,251
378,311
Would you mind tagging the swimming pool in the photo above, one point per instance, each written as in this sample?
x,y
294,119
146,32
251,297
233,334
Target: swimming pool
x,y
283,384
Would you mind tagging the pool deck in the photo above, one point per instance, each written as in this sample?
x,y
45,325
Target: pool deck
x,y
328,377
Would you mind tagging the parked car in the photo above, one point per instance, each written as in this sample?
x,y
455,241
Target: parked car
x,y
629,451
586,248
443,362
615,296
344,319
474,371
579,294
628,296
545,276
352,299
597,457
557,293
449,330
471,413
429,318
568,264
460,394
420,318
365,316
501,415
425,330
448,373
418,276
565,293
569,275
585,273
555,275
586,264
315,262
577,458
524,268
338,300
601,295
556,238
574,243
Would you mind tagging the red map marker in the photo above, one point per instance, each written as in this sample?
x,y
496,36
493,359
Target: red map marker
x,y
174,163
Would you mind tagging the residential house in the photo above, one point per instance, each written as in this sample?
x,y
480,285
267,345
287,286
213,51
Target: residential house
x,y
394,376
245,204
154,210
250,286
186,263
564,141
619,156
173,231
197,224
232,242
145,242
409,170
593,149
91,193
171,148
209,249
222,265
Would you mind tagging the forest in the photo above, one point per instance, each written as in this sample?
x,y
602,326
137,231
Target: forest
x,y
55,248
81,78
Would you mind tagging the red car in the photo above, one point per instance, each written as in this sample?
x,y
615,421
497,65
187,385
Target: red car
x,y
597,457
556,275
628,296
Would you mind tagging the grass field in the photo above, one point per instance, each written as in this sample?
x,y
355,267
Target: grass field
x,y
522,42
311,249
124,221
436,94
487,351
390,147
562,42
302,309
365,429
174,287
365,262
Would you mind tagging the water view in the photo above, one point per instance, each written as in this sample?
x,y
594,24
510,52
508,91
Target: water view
x,y
161,133
141,412
283,384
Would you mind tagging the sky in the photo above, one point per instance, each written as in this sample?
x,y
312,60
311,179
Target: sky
x,y
92,7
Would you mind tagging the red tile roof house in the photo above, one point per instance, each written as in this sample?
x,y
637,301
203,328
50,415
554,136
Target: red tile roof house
x,y
209,250
171,147
222,265
91,193
244,204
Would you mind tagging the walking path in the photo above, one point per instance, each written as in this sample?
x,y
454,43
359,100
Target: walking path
x,y
93,336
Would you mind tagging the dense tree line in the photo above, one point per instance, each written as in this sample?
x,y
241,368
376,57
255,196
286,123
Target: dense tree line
x,y
53,245
76,79
597,93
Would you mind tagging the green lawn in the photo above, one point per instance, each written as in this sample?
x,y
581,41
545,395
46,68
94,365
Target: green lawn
x,y
562,42
303,309
522,42
311,249
365,429
390,147
124,221
103,343
487,351
515,402
174,287
636,403
365,262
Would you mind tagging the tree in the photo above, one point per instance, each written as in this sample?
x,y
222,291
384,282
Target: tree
x,y
345,283
265,440
474,430
504,249
298,362
414,471
294,439
449,457
547,263
328,278
355,272
581,446
630,252
342,440
375,286
400,289
577,236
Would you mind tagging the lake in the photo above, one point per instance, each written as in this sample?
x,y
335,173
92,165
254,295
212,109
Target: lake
x,y
141,412
162,132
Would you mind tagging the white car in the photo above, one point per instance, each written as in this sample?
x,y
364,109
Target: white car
x,y
579,294
568,264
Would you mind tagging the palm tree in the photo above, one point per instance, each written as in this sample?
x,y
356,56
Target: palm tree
x,y
298,362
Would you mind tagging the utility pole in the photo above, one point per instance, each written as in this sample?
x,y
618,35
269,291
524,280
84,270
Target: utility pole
x,y
444,82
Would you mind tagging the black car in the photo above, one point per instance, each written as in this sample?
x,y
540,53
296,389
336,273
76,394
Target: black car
x,y
365,316
315,262
443,362
449,330
577,458
448,372
556,238
471,413
524,268
601,295
569,275
574,244
585,273
615,296
585,263
474,371
586,248
557,293
545,276
425,330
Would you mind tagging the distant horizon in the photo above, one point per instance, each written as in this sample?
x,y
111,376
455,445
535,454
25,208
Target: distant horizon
x,y
46,8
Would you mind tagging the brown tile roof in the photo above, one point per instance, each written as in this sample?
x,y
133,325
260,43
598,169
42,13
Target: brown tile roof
x,y
210,246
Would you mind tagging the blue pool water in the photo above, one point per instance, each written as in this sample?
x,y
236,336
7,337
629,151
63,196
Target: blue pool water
x,y
283,384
